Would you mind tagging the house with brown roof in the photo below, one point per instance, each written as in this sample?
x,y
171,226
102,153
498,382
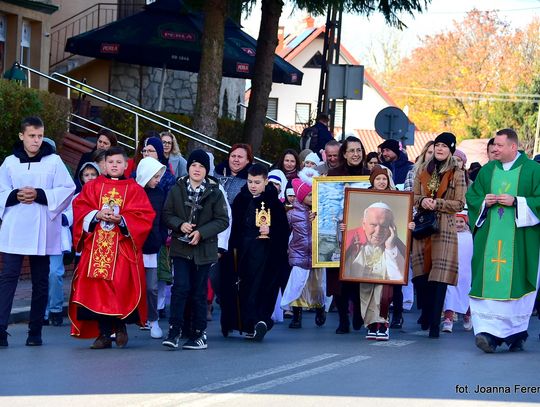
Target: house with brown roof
x,y
296,106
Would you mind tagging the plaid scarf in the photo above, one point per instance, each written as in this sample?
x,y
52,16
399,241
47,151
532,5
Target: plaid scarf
x,y
195,194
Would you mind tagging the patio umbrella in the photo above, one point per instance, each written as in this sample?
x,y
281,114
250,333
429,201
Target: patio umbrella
x,y
164,36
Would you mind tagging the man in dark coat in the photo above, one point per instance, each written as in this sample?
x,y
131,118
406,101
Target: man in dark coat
x,y
395,160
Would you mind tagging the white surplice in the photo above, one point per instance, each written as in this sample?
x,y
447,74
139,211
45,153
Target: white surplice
x,y
34,229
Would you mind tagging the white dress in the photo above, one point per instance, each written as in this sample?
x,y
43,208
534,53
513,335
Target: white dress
x,y
457,297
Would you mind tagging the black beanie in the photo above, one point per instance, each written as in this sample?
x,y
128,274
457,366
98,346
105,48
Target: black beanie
x,y
201,157
391,145
449,139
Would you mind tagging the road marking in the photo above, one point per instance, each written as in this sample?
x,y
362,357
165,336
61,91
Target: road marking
x,y
220,398
262,373
420,333
198,392
393,343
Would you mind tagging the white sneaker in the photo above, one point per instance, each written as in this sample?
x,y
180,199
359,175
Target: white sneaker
x,y
467,324
155,330
447,325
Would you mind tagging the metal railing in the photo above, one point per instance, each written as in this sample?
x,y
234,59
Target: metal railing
x,y
269,119
137,112
93,17
170,124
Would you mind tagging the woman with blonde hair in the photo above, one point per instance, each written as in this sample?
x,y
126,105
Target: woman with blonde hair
x,y
439,187
421,161
177,163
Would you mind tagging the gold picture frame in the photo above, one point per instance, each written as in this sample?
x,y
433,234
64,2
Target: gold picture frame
x,y
328,203
376,240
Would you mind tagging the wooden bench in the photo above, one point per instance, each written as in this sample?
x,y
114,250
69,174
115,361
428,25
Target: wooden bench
x,y
72,148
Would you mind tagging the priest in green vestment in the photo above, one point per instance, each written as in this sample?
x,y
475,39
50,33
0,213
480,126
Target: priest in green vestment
x,y
504,210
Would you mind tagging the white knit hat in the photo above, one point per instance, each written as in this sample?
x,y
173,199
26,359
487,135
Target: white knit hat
x,y
313,157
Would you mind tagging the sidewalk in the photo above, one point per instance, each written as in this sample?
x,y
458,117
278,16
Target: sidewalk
x,y
20,311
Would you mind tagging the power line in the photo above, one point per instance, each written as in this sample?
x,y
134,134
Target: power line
x,y
463,92
511,10
469,98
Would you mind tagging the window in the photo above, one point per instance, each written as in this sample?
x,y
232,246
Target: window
x,y
271,111
25,43
338,114
302,113
315,61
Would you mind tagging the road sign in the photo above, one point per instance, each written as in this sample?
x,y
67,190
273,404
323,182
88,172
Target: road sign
x,y
392,123
345,81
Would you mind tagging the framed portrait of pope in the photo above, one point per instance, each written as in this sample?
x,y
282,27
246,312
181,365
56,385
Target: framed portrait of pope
x,y
376,240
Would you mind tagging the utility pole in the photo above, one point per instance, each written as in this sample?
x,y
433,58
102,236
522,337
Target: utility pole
x,y
330,55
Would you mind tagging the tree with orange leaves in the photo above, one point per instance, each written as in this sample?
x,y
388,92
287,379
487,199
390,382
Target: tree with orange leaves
x,y
456,80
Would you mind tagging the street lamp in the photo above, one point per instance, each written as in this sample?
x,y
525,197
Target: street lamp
x,y
16,73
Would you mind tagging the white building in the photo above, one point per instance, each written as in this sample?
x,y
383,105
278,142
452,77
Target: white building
x,y
296,106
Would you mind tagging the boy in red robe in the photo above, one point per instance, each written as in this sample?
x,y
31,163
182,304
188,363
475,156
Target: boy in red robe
x,y
112,218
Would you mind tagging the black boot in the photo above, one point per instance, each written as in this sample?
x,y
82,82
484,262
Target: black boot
x,y
320,316
343,310
397,320
296,322
3,337
34,338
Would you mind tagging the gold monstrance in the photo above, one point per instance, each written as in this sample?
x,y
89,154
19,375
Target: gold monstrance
x,y
262,218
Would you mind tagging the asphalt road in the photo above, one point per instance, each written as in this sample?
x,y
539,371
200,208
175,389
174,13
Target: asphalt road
x,y
309,366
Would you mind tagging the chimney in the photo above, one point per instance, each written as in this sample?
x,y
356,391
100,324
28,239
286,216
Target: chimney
x,y
309,22
281,39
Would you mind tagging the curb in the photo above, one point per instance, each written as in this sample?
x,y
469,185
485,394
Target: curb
x,y
22,314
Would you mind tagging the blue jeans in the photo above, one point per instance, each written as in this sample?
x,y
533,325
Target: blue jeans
x,y
56,284
190,281
9,277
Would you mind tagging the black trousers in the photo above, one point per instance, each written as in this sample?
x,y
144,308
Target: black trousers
x,y
430,299
190,281
397,300
349,292
9,277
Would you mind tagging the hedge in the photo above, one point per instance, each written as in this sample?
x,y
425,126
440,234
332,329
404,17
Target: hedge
x,y
18,102
275,141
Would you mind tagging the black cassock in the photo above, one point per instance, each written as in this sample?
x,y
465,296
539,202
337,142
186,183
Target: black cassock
x,y
251,269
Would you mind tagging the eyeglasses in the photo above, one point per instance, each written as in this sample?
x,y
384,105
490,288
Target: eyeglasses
x,y
146,151
354,150
167,143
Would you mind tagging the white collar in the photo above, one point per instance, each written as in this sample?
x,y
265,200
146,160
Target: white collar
x,y
508,165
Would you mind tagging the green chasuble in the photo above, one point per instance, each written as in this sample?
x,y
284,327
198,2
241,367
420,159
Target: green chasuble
x,y
505,257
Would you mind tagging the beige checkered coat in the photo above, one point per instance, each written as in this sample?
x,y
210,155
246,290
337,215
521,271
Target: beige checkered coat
x,y
444,244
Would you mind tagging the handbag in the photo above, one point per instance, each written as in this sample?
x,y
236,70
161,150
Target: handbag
x,y
426,224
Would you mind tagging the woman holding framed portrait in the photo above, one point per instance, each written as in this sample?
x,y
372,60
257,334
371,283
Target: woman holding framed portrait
x,y
352,156
439,193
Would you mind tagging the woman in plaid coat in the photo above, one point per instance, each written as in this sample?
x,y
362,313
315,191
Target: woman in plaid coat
x,y
440,186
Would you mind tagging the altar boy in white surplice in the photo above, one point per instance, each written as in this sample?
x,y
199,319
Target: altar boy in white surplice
x,y
35,187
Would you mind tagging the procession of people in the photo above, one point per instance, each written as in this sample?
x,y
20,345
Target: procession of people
x,y
239,235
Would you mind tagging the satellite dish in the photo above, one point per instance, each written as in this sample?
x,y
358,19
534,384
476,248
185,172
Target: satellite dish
x,y
392,124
